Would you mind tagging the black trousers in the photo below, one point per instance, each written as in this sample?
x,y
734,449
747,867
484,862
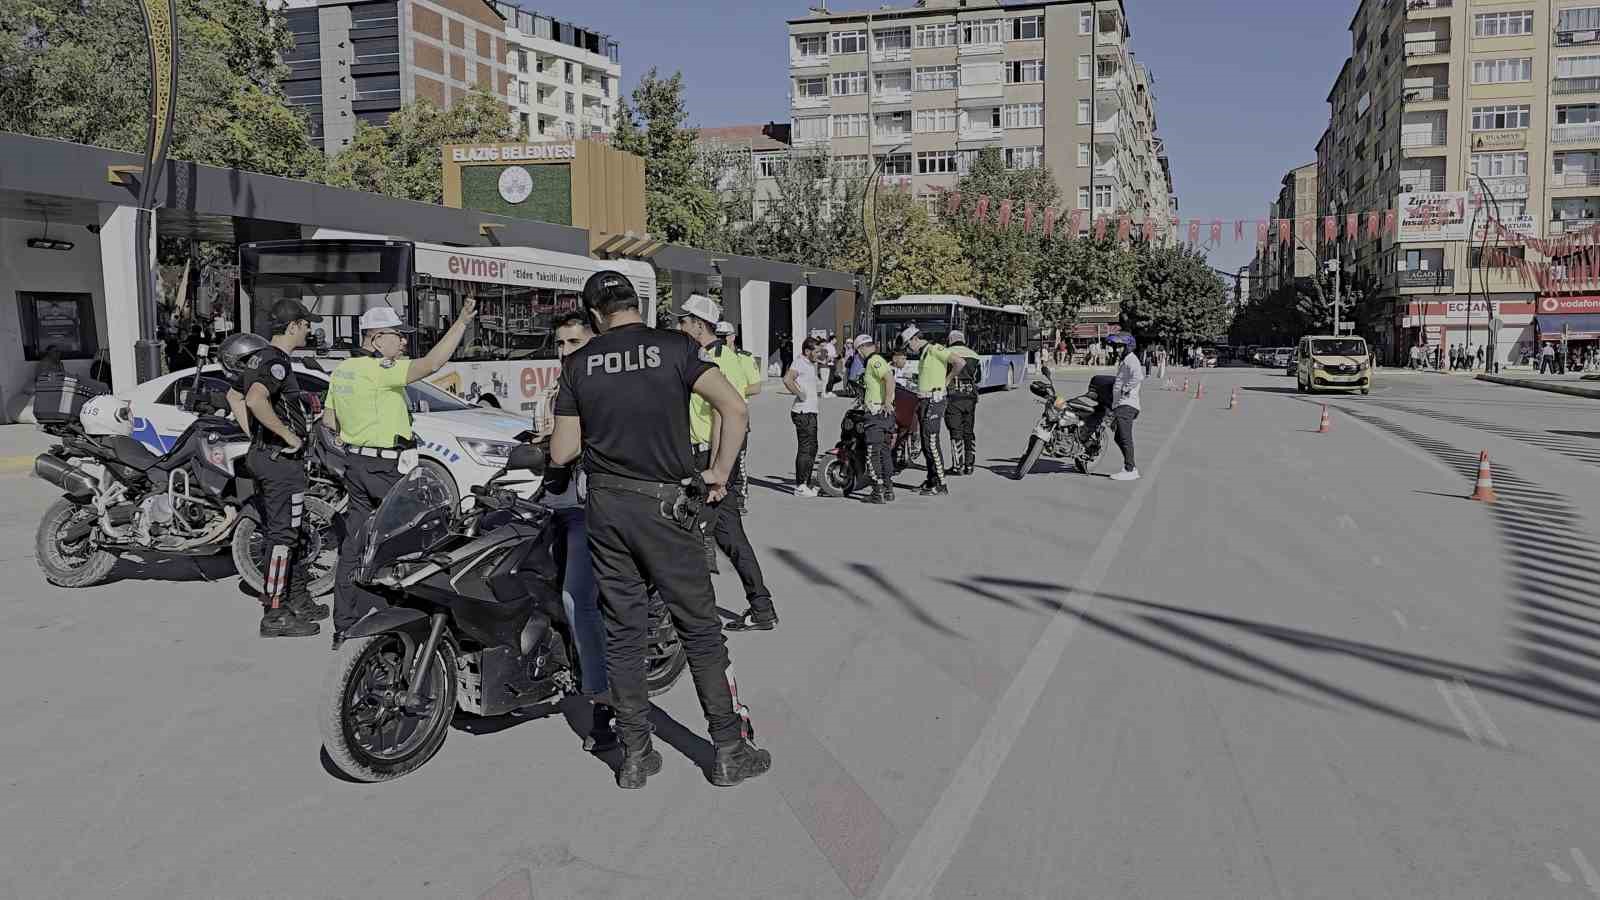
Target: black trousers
x,y
880,448
280,494
368,480
726,527
805,452
1122,430
961,417
632,543
930,416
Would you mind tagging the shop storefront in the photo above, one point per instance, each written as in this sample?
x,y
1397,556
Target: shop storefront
x,y
1455,322
1572,324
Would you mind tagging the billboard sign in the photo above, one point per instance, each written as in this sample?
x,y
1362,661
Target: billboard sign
x,y
1432,216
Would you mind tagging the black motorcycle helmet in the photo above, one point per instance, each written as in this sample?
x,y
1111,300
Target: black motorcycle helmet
x,y
237,350
606,292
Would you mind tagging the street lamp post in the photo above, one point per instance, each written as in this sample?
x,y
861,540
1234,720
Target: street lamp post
x,y
161,39
870,225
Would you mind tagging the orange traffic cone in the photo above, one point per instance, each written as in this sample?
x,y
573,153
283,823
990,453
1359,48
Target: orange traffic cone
x,y
1484,490
1322,427
1233,399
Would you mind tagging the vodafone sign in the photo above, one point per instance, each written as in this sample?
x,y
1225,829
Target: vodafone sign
x,y
1568,305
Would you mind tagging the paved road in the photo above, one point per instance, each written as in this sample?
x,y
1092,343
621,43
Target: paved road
x,y
1285,664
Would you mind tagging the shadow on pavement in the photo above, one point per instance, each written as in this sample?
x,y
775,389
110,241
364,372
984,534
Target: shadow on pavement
x,y
1540,439
876,576
173,568
1270,390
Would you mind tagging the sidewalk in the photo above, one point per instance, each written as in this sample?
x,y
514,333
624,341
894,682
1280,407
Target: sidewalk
x,y
1572,385
19,444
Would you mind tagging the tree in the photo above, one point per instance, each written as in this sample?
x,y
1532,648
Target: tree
x,y
1175,298
813,215
1002,259
1073,271
403,158
679,206
916,255
78,71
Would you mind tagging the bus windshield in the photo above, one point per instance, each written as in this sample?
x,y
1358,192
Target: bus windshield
x,y
335,279
933,320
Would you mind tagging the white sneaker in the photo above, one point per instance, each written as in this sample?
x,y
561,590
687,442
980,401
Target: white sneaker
x,y
1126,475
805,491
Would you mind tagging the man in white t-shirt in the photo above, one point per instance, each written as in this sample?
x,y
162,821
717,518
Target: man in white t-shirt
x,y
803,381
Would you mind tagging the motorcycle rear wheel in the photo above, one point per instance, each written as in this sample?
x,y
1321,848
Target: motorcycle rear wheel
x,y
1030,456
369,738
72,564
664,656
319,548
832,476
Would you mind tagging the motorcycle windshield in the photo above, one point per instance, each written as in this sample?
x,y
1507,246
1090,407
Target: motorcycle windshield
x,y
414,516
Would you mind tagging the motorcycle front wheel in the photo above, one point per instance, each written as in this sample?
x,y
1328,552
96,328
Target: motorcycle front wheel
x,y
366,732
1030,456
832,476
64,546
319,548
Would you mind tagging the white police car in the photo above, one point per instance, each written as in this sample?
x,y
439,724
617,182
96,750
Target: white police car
x,y
460,443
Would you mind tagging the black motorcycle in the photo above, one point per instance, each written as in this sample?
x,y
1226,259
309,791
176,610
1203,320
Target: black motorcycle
x,y
1062,430
842,470
475,622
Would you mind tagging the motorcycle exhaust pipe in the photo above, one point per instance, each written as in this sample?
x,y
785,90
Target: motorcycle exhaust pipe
x,y
76,482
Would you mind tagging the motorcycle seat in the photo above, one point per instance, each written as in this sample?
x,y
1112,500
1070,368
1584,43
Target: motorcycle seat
x,y
132,453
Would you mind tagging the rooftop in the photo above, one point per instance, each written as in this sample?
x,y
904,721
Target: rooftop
x,y
771,136
821,13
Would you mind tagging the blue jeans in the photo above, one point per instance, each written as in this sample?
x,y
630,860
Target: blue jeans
x,y
580,594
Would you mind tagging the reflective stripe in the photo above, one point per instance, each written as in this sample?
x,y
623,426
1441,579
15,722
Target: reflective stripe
x,y
277,563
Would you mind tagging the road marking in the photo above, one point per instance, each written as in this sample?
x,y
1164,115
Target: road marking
x,y
1470,713
1590,877
15,465
1461,717
1558,873
1399,617
1489,728
930,850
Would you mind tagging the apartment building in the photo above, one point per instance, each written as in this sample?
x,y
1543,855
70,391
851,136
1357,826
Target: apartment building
x,y
914,93
1279,265
1480,110
360,61
762,151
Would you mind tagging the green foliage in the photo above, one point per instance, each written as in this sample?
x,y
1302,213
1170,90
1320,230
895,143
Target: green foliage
x,y
1071,272
1002,259
679,206
916,255
1175,297
79,72
403,159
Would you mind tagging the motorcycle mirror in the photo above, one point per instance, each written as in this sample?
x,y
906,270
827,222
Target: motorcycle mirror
x,y
528,458
1045,370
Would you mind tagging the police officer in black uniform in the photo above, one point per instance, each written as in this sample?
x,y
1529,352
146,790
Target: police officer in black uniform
x,y
624,403
961,408
284,415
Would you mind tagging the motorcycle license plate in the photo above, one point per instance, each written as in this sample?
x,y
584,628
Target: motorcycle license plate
x,y
1043,433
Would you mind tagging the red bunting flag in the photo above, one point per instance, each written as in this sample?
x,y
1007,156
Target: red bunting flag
x,y
1372,224
1100,228
980,213
1352,226
1330,228
1284,234
1150,229
1216,232
1388,221
1075,224
1194,231
1307,228
1261,233
1124,223
1027,217
1005,213
1049,222
952,203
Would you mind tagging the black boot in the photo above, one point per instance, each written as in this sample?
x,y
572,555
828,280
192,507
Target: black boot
x,y
750,621
737,761
602,736
282,622
937,489
308,609
637,766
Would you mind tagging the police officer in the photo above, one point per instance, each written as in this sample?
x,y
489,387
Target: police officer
x,y
961,411
273,397
727,335
934,371
696,319
624,404
367,406
877,396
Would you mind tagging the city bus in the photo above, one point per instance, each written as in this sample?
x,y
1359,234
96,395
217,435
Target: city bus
x,y
508,356
998,334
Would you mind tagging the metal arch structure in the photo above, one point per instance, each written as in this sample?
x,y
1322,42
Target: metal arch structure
x,y
161,40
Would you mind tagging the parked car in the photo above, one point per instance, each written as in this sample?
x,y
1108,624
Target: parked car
x,y
1294,362
1280,357
460,443
1208,357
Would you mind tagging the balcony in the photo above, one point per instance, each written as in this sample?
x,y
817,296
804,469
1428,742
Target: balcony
x,y
1411,183
884,137
1426,278
1423,8
1562,225
1575,180
1426,47
799,101
889,95
1426,94
1108,38
1420,139
893,54
979,49
808,60
1581,133
1575,85
968,90
983,132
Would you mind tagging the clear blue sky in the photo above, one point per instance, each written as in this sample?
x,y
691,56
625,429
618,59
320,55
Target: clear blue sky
x,y
1241,85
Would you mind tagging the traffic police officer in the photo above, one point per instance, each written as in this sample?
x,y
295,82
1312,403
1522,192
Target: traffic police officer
x,y
274,399
934,371
624,404
368,408
728,336
877,396
961,413
696,319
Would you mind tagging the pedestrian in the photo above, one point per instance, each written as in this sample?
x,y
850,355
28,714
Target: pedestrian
x,y
696,319
275,400
368,408
1480,357
1125,409
901,364
1416,357
804,382
827,355
624,405
935,367
1547,359
877,398
962,412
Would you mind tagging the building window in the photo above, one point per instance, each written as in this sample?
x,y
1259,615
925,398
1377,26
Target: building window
x,y
522,119
1496,71
772,165
940,35
1584,114
1501,24
1509,254
938,78
895,164
1083,198
849,42
566,71
1496,118
571,106
810,129
937,162
855,166
891,81
1578,19
1083,112
522,61
605,85
985,31
1494,165
56,321
893,39
1577,67
1085,25
850,125
1024,71
848,83
811,88
1024,157
522,92
891,125
1024,115
1104,196
1027,28
811,45
1084,67
1083,155
927,120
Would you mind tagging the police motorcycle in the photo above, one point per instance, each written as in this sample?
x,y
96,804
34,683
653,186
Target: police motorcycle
x,y
326,500
121,498
843,469
1062,430
475,623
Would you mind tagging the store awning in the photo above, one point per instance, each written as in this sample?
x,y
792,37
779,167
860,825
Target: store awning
x,y
1578,327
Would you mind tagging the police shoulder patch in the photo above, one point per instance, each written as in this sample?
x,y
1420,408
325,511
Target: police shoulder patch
x,y
279,371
